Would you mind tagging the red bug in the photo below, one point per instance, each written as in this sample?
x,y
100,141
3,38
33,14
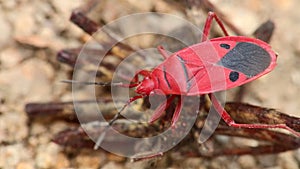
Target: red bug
x,y
193,71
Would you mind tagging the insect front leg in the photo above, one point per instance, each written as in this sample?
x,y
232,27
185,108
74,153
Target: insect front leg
x,y
102,135
227,118
177,111
207,26
160,109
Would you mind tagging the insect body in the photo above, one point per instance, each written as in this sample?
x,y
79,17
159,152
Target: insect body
x,y
209,66
189,71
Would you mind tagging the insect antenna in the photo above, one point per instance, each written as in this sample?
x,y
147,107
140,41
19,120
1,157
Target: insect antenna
x,y
94,83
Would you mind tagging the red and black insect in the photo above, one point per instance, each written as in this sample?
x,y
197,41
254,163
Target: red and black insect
x,y
204,68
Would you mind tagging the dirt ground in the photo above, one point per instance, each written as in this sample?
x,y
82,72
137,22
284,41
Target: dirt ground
x,y
32,32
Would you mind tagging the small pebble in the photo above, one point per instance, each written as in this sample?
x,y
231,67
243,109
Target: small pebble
x,y
10,57
12,155
23,17
287,161
49,156
267,160
247,162
13,127
25,165
89,160
113,165
6,31
27,80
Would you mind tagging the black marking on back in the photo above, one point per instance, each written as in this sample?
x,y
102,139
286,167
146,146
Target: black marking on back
x,y
186,75
247,58
225,46
234,76
158,81
165,77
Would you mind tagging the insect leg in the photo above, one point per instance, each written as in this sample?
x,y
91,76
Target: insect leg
x,y
177,110
102,135
226,117
160,109
162,51
207,26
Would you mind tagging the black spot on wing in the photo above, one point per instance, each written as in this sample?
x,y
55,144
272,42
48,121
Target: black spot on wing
x,y
247,58
225,46
234,76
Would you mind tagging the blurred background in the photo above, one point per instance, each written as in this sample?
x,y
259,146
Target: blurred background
x,y
33,31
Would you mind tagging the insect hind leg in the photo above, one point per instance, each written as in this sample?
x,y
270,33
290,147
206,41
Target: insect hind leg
x,y
226,117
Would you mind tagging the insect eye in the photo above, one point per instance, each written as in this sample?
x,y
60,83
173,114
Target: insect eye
x,y
225,46
233,76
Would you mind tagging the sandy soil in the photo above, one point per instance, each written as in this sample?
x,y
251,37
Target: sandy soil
x,y
33,31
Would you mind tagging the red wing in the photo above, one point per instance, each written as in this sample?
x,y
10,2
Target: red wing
x,y
216,65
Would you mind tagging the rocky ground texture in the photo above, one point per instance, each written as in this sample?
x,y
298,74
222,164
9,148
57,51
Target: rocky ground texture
x,y
33,31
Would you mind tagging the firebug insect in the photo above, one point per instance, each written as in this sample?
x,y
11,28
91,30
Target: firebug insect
x,y
193,71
